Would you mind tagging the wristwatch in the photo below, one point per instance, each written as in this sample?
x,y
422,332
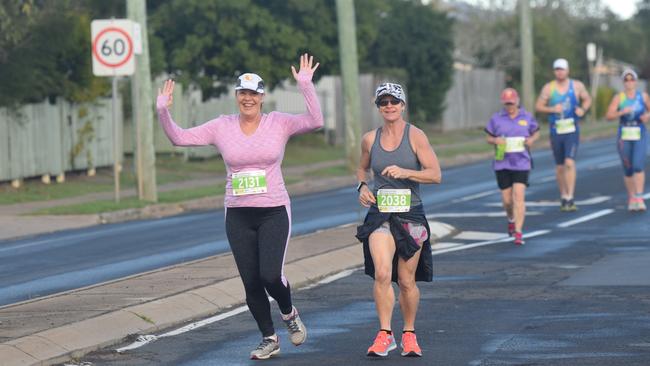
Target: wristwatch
x,y
361,184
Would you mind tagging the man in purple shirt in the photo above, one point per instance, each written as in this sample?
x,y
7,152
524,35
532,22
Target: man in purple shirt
x,y
513,131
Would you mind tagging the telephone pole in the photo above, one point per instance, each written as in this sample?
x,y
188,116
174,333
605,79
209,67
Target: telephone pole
x,y
350,79
142,98
526,41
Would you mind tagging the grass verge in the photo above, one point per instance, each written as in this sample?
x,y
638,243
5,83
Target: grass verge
x,y
302,150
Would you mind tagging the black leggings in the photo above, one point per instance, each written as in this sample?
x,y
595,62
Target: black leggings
x,y
258,238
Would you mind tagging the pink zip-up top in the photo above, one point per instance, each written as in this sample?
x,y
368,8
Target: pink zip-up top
x,y
264,149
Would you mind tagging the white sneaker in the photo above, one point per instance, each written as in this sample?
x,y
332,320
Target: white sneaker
x,y
632,205
269,346
640,205
296,328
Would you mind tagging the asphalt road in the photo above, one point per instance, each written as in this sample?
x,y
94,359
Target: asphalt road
x,y
51,263
575,294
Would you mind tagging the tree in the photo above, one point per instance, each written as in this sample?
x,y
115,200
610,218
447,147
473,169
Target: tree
x,y
315,22
16,16
210,42
45,45
641,20
562,28
52,59
418,39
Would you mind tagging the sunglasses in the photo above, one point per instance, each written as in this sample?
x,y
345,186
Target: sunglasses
x,y
508,104
384,102
629,79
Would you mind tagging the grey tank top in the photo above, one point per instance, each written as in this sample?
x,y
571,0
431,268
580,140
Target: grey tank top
x,y
404,157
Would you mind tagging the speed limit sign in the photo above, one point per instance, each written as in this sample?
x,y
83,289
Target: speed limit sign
x,y
113,47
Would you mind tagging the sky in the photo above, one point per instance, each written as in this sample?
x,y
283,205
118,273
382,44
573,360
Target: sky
x,y
623,8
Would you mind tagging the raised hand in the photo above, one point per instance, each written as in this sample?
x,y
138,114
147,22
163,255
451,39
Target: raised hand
x,y
166,94
307,68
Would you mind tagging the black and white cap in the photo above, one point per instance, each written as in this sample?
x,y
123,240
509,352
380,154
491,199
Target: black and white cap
x,y
627,72
250,81
393,89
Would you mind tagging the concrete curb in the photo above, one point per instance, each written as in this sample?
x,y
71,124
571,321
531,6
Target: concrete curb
x,y
74,340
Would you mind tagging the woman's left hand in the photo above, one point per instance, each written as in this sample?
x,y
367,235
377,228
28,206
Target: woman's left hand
x,y
395,172
306,71
645,117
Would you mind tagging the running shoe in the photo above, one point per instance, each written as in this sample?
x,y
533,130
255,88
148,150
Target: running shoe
x,y
409,344
519,240
571,206
632,205
383,344
511,228
640,205
269,346
295,327
563,205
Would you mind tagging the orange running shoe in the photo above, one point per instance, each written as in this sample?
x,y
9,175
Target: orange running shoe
x,y
383,344
410,346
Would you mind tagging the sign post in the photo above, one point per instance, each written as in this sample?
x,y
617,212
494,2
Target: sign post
x,y
113,47
591,58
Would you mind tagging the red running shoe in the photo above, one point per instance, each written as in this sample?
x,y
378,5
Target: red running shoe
x,y
410,346
519,238
383,344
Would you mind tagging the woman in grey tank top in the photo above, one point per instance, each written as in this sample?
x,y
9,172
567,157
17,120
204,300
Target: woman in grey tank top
x,y
401,159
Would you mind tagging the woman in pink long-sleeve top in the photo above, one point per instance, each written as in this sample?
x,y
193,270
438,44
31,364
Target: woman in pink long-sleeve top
x,y
258,212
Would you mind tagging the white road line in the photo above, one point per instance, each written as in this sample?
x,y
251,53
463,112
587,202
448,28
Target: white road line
x,y
589,201
476,196
478,235
607,164
445,245
529,204
476,214
592,216
594,200
646,196
331,278
546,179
491,242
148,338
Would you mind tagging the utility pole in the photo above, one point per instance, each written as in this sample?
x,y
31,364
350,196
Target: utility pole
x,y
526,41
594,83
350,79
142,98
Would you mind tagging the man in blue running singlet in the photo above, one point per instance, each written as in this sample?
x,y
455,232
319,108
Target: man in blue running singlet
x,y
565,101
